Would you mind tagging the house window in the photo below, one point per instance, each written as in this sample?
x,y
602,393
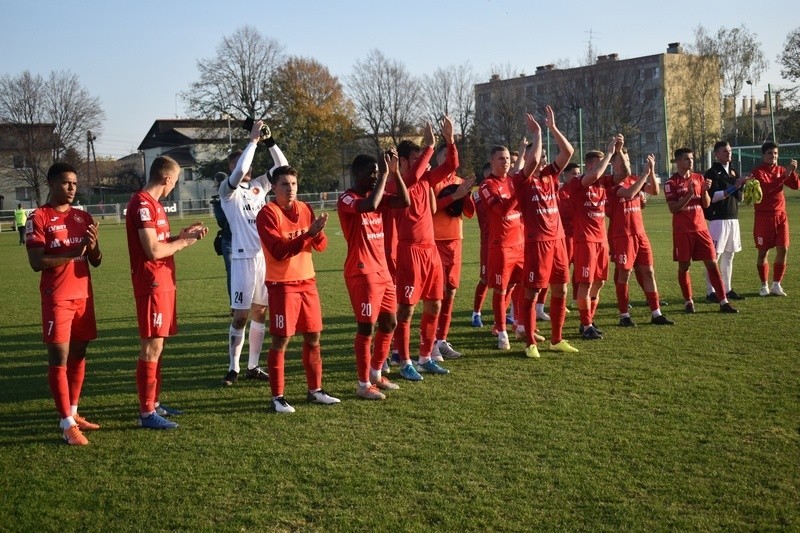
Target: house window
x,y
530,91
651,137
19,162
650,116
651,94
23,193
656,72
188,174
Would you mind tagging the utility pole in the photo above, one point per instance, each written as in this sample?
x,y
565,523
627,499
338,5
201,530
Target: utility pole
x,y
90,138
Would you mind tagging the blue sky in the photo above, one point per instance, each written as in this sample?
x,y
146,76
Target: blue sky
x,y
136,56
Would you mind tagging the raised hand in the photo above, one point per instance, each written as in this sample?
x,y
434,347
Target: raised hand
x,y
447,129
651,163
549,118
255,132
318,225
464,188
533,126
195,232
428,137
392,161
612,144
91,236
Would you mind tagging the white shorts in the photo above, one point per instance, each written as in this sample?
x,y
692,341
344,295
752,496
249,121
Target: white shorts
x,y
247,282
725,234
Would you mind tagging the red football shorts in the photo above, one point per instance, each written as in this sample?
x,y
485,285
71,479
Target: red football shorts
x,y
419,274
370,295
484,254
450,255
695,246
504,267
570,248
68,320
591,262
546,263
294,308
631,251
771,230
157,314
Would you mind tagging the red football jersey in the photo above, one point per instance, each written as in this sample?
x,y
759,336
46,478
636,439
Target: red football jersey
x,y
690,218
588,210
148,276
503,215
771,179
480,211
565,210
59,232
415,224
538,201
625,214
364,235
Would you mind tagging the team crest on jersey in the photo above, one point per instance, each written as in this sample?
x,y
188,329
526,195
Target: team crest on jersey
x,y
79,220
144,214
347,199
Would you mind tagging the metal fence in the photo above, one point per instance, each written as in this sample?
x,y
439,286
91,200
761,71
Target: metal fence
x,y
115,213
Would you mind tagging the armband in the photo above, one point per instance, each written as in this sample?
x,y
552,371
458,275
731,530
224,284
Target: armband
x,y
269,142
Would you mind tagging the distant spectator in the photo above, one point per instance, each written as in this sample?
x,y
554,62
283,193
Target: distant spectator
x,y
20,217
222,243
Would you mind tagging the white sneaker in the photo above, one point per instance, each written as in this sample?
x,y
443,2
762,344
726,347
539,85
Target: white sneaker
x,y
776,289
435,354
542,316
502,341
764,290
322,397
281,405
445,349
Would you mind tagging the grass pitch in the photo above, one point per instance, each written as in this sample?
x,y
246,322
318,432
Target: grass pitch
x,y
690,427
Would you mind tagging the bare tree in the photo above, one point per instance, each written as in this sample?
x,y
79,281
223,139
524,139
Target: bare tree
x,y
72,109
503,121
385,96
451,90
45,119
790,61
238,80
740,57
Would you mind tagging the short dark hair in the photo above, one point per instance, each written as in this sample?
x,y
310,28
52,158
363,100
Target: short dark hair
x,y
593,154
362,164
486,166
406,148
284,170
497,148
56,169
233,156
570,166
720,144
767,146
680,152
160,165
